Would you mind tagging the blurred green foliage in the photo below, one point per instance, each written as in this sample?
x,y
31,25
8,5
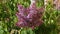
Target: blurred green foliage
x,y
8,19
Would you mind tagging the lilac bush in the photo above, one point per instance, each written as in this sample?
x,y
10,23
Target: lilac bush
x,y
29,17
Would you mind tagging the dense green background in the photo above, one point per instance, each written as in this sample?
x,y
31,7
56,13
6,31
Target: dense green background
x,y
8,19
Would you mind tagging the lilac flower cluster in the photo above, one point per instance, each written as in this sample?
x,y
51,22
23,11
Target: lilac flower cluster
x,y
29,17
57,4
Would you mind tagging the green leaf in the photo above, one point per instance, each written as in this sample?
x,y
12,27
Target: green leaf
x,y
1,31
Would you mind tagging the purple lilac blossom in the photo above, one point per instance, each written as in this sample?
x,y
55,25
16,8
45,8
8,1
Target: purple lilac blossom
x,y
29,17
